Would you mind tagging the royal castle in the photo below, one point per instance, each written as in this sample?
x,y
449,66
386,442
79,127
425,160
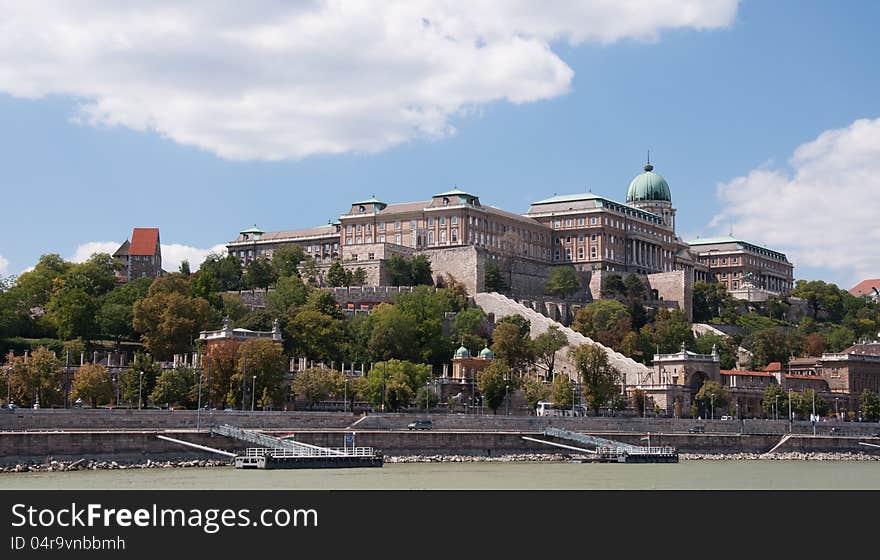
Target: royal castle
x,y
594,234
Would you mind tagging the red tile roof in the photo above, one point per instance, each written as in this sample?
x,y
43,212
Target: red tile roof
x,y
144,242
746,372
864,288
773,366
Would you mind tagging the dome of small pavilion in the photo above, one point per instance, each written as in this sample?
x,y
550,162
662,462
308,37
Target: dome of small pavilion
x,y
487,354
462,352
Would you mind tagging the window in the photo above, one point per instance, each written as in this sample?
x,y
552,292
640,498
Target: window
x,y
397,225
381,239
735,284
592,221
556,255
580,253
430,222
568,222
362,209
454,220
593,253
357,240
454,235
367,227
568,239
568,254
348,228
354,257
371,256
413,224
368,239
580,221
381,225
347,242
445,200
357,227
430,238
556,224
442,236
442,220
397,239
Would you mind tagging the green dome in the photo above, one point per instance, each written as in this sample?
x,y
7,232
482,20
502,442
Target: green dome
x,y
648,186
462,352
487,354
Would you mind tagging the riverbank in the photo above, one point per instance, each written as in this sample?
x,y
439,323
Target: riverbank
x,y
83,465
558,457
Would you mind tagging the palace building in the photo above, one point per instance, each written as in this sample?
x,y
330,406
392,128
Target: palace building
x,y
596,235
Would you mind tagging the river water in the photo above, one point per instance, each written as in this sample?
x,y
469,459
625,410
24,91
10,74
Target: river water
x,y
686,475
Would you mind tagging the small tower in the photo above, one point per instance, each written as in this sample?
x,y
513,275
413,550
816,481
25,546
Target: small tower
x,y
649,191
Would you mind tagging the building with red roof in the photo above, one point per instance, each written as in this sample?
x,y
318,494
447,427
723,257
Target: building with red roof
x,y
867,288
141,256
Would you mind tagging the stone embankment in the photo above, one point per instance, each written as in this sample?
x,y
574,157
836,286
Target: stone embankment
x,y
559,457
82,465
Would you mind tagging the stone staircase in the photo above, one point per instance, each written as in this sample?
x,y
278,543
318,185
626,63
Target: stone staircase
x,y
501,306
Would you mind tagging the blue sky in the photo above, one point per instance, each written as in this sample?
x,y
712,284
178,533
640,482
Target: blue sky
x,y
764,121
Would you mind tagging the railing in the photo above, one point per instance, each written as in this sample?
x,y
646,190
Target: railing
x,y
326,452
617,451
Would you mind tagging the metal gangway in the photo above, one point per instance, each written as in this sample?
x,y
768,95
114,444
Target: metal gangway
x,y
290,446
593,441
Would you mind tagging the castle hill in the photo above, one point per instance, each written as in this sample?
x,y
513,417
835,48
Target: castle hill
x,y
441,328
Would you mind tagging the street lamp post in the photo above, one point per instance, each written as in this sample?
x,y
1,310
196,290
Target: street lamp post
x,y
776,408
712,401
253,392
344,391
427,396
507,396
790,417
199,402
384,368
141,391
243,376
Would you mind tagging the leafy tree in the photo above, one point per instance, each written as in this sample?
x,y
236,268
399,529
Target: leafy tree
x,y
839,338
259,274
869,404
668,331
535,391
114,320
511,347
635,290
775,401
545,346
310,271
814,344
135,387
261,364
711,396
169,322
317,384
493,280
522,324
358,277
639,401
220,273
290,292
258,320
562,392
426,308
613,286
773,345
420,271
234,307
563,282
426,397
174,387
391,334
807,400
726,348
336,275
92,384
220,363
494,384
315,335
96,276
822,299
599,379
286,259
324,302
712,302
36,379
397,380
184,268
73,311
606,321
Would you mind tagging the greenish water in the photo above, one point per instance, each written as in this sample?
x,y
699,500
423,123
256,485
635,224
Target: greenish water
x,y
690,475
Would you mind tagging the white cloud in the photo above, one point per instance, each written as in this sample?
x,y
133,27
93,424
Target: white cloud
x,y
823,211
4,265
276,80
172,254
175,253
86,250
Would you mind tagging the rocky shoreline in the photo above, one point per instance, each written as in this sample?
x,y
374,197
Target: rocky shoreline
x,y
91,465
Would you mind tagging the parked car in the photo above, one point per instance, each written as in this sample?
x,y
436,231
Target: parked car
x,y
725,417
420,425
836,430
697,430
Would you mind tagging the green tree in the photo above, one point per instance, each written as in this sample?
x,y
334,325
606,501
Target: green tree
x,y
397,381
523,325
775,401
317,384
133,386
234,307
639,401
73,311
809,397
712,396
290,292
220,363
115,321
493,280
391,334
823,300
324,302
336,275
713,303
286,259
358,277
220,273
92,384
612,286
169,322
599,379
535,391
635,290
174,387
420,271
725,347
316,336
563,282
495,382
562,392
261,364
606,321
35,379
545,346
774,345
511,347
259,274
669,331
184,268
869,404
